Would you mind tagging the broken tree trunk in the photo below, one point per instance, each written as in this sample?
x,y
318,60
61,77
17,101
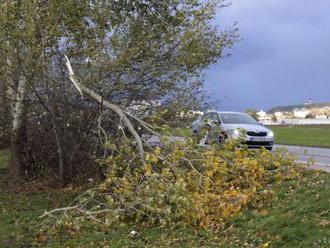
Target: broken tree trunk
x,y
122,115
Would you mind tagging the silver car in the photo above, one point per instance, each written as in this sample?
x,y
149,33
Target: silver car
x,y
237,126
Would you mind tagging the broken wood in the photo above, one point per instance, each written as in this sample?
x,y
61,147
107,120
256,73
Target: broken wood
x,y
121,113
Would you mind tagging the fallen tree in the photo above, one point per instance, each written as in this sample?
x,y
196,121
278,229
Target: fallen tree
x,y
179,184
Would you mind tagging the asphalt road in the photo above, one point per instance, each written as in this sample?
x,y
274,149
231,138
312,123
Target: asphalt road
x,y
319,156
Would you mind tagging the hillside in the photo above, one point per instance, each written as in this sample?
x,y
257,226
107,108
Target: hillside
x,y
289,108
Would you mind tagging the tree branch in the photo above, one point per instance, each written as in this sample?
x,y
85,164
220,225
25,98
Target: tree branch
x,y
83,89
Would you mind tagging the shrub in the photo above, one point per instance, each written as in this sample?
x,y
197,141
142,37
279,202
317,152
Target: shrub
x,y
182,184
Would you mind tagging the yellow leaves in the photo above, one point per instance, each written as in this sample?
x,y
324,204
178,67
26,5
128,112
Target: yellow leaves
x,y
148,169
277,164
184,185
266,245
152,158
157,151
102,187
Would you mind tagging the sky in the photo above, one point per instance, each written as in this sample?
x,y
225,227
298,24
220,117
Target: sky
x,y
283,56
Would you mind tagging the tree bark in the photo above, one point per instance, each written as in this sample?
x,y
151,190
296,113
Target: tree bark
x,y
18,127
5,113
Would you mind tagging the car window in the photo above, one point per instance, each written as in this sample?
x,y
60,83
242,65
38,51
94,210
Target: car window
x,y
212,116
237,118
215,117
207,116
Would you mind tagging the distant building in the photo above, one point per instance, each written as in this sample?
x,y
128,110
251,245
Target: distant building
x,y
263,116
321,116
196,112
143,107
300,113
191,113
278,115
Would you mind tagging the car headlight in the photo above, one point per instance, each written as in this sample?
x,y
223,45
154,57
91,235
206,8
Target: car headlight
x,y
270,134
236,132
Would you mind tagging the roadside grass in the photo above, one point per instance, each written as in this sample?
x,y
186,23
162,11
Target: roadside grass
x,y
299,216
318,136
181,131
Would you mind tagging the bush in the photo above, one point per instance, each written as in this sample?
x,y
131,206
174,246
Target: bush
x,y
182,184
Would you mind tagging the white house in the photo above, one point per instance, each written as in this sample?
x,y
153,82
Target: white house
x,y
321,116
278,115
300,113
261,114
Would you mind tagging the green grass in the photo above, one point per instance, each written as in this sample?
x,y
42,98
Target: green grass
x,y
298,217
181,131
318,136
19,212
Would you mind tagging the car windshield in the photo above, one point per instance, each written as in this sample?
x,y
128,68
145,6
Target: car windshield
x,y
237,118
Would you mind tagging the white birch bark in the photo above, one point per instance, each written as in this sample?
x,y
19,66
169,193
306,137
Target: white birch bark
x,y
11,98
11,91
18,106
18,119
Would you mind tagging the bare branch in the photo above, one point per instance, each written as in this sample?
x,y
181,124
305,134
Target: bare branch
x,y
58,210
83,89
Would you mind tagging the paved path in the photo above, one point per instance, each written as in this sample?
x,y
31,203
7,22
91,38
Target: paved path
x,y
320,156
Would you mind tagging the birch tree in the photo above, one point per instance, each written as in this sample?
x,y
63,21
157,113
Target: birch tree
x,y
126,51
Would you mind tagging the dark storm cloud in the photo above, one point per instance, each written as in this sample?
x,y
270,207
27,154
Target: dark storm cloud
x,y
283,58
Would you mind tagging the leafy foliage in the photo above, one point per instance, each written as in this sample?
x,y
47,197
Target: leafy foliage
x,y
182,185
127,51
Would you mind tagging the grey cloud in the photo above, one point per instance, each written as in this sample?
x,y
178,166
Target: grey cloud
x,y
284,57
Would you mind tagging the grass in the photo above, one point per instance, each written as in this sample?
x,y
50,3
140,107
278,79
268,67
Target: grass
x,y
19,212
298,217
181,131
318,136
